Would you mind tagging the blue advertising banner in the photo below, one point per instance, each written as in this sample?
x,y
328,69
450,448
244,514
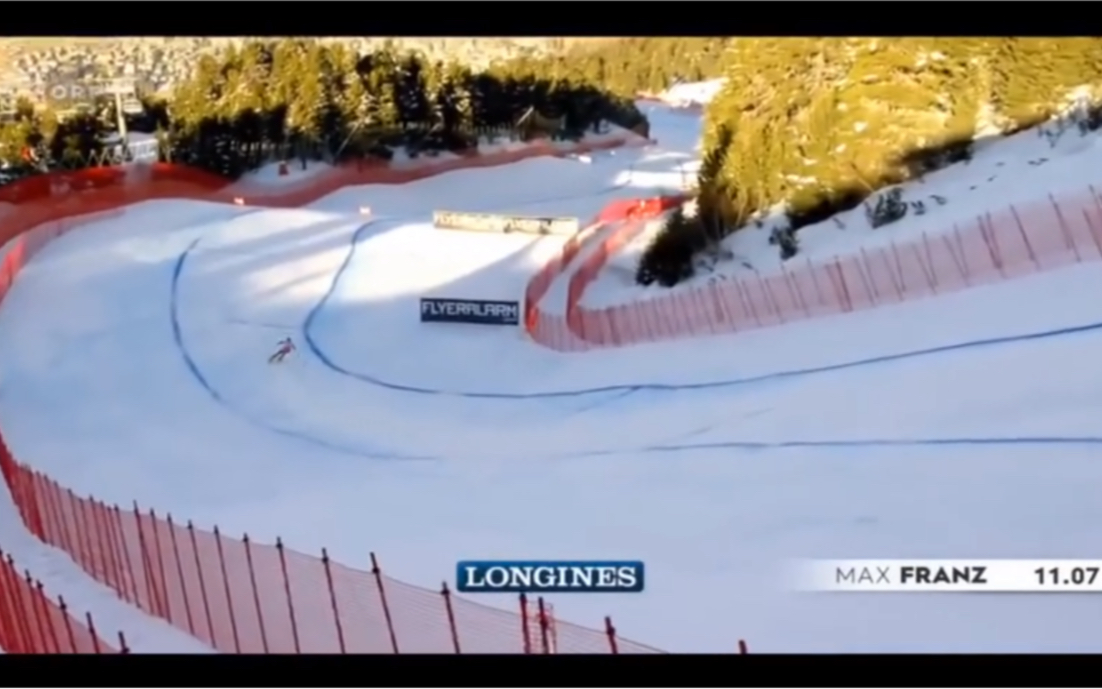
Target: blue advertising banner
x,y
552,576
477,311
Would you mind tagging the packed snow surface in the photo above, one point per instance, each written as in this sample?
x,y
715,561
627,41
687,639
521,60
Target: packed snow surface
x,y
133,366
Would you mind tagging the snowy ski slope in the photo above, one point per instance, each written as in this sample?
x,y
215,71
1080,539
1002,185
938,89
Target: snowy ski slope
x,y
963,426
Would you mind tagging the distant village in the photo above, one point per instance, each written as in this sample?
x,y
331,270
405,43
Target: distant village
x,y
136,67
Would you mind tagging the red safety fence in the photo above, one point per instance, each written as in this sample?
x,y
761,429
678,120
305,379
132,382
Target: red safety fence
x,y
624,219
1016,241
244,597
32,623
537,323
47,198
236,595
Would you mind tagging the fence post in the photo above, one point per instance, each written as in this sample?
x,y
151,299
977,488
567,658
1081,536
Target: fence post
x,y
147,565
930,281
1025,235
794,290
987,231
742,647
747,300
68,624
863,270
123,648
451,615
382,596
62,537
153,522
180,574
610,632
34,509
287,590
43,507
841,290
1094,231
1098,207
871,281
524,617
202,584
19,609
31,612
132,590
256,593
6,611
96,556
647,321
553,628
766,288
899,269
229,594
1069,239
107,543
1095,197
333,600
963,254
10,621
84,547
956,261
930,260
43,609
811,268
545,642
95,634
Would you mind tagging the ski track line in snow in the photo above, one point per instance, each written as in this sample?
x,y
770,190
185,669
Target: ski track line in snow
x,y
622,390
200,377
842,444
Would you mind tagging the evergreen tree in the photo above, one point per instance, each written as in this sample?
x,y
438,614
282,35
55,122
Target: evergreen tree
x,y
254,98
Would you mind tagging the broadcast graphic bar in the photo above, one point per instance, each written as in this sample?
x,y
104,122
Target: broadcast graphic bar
x,y
958,576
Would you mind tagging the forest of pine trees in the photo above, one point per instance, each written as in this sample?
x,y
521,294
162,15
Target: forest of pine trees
x,y
304,99
820,124
323,101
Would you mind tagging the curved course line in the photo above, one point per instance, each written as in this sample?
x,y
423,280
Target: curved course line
x,y
871,442
316,350
197,374
623,390
301,436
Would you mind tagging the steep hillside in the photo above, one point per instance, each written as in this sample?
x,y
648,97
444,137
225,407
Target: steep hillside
x,y
818,125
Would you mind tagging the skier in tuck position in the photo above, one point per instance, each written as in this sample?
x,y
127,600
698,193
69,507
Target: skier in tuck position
x,y
284,347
